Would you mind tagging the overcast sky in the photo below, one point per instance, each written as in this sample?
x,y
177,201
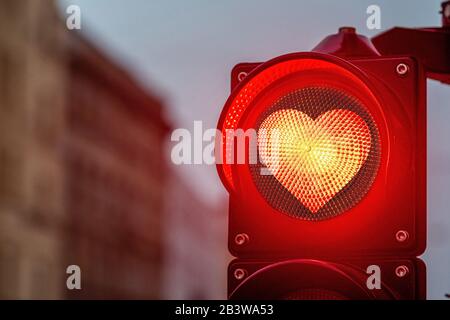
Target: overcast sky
x,y
184,51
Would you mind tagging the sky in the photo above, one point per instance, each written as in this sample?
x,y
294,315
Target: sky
x,y
184,52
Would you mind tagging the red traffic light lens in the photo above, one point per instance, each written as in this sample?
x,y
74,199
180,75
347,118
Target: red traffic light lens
x,y
322,151
326,150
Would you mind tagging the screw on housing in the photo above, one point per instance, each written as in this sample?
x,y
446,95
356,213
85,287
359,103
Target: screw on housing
x,y
241,75
401,271
241,239
402,69
402,235
240,273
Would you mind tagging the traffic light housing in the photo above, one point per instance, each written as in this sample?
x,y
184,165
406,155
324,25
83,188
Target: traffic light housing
x,y
309,279
338,179
375,202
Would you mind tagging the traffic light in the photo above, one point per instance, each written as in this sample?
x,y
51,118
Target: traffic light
x,y
308,279
338,179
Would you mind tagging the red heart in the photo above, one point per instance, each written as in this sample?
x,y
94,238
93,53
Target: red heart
x,y
314,159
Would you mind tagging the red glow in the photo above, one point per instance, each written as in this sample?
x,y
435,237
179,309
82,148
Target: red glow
x,y
245,96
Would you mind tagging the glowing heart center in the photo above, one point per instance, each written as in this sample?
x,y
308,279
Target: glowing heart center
x,y
314,159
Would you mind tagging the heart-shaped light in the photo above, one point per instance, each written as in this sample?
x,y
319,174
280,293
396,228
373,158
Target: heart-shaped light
x,y
314,159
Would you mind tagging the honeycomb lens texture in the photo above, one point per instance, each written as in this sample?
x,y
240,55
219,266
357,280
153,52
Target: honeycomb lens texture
x,y
319,152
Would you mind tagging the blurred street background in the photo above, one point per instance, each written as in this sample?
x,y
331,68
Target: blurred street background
x,y
85,123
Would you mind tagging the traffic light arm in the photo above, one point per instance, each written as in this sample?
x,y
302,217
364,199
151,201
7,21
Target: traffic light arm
x,y
430,45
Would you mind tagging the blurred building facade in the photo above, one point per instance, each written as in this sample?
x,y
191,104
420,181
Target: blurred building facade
x,y
81,170
83,177
115,177
32,86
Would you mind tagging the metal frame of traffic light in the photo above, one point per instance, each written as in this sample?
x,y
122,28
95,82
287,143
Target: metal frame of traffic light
x,y
430,45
